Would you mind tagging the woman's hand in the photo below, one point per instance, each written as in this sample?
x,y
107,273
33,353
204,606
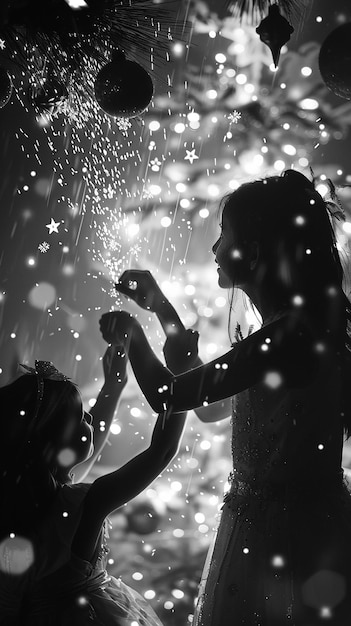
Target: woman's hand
x,y
140,286
117,327
181,351
114,363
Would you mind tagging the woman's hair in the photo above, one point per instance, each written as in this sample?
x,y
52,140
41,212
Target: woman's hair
x,y
28,447
298,251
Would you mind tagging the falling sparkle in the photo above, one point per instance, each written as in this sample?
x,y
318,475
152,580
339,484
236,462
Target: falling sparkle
x,y
190,156
234,117
53,226
44,246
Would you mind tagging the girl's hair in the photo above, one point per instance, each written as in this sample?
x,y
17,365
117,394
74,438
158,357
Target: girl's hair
x,y
298,252
28,450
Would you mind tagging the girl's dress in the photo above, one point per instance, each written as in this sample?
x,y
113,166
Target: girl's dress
x,y
282,551
61,589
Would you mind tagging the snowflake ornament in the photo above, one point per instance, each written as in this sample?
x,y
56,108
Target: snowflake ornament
x,y
44,247
234,117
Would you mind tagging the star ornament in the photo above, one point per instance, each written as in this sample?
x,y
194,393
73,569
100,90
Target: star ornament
x,y
190,156
53,226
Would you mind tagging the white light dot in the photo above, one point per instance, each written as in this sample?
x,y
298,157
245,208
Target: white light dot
x,y
279,165
184,203
300,220
115,428
137,576
149,594
203,528
179,128
297,300
205,445
220,302
289,149
66,457
303,162
178,49
211,94
13,335
273,380
135,411
309,104
180,187
241,79
199,518
320,446
31,261
347,227
168,605
220,58
204,213
306,71
212,34
176,485
246,550
166,222
177,593
65,514
278,561
78,357
154,125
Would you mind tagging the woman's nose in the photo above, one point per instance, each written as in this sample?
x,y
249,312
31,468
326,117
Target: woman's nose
x,y
215,246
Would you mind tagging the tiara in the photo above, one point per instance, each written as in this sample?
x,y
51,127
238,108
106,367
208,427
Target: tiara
x,y
43,370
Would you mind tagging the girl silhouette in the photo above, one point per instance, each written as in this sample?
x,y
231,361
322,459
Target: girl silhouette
x,y
282,552
53,532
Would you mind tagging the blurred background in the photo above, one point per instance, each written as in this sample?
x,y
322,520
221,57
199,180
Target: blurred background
x,y
84,197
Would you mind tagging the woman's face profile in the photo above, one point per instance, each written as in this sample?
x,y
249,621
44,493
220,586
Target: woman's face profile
x,y
228,255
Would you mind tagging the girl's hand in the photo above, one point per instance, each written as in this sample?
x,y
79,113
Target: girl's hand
x,y
181,351
140,286
114,363
117,327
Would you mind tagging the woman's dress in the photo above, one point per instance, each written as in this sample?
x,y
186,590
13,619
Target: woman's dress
x,y
282,551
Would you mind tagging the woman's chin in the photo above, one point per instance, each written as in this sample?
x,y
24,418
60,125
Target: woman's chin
x,y
223,280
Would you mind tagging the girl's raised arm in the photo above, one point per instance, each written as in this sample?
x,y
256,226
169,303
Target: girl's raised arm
x,y
284,348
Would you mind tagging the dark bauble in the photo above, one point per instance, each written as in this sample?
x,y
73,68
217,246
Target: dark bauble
x,y
143,519
5,87
123,88
335,61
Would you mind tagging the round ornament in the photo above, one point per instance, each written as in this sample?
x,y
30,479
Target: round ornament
x,y
123,88
143,519
5,87
335,61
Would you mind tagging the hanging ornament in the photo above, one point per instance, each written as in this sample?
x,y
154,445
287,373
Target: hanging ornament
x,y
5,87
335,61
48,96
274,31
123,88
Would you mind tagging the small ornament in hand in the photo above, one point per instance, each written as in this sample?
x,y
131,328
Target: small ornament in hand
x,y
140,286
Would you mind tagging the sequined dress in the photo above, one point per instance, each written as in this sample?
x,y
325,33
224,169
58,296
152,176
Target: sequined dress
x,y
61,589
282,550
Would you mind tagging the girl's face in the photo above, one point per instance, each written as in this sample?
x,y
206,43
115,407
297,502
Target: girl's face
x,y
75,443
228,256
